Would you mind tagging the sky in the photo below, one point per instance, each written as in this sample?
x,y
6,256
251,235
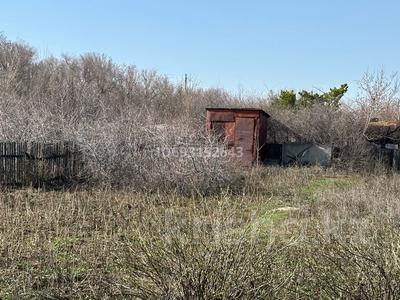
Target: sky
x,y
249,46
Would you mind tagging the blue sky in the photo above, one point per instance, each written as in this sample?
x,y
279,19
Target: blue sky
x,y
256,45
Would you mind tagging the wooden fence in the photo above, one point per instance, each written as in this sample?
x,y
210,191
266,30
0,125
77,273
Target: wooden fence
x,y
38,164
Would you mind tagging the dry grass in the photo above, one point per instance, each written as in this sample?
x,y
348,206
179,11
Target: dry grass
x,y
186,227
341,242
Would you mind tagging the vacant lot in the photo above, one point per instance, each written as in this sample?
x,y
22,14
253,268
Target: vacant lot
x,y
290,232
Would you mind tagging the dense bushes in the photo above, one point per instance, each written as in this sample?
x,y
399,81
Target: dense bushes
x,y
115,113
341,128
150,157
123,119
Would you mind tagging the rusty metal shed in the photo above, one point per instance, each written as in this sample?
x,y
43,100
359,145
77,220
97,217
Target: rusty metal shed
x,y
240,128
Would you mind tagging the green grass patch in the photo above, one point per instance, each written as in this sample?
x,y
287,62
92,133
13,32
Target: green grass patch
x,y
268,220
322,184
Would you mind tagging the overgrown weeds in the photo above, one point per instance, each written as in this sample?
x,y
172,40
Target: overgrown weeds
x,y
343,244
185,225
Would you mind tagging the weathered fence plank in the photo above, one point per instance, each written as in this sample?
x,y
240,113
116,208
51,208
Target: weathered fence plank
x,y
37,164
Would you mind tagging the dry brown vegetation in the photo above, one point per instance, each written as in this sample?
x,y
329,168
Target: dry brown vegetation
x,y
118,114
341,241
122,118
154,226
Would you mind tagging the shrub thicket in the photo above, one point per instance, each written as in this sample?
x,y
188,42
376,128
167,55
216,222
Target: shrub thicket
x,y
115,111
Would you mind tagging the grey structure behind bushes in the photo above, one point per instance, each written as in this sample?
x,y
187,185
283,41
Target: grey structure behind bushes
x,y
298,154
388,156
306,154
37,164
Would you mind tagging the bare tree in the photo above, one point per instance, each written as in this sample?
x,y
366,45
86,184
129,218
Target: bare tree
x,y
379,96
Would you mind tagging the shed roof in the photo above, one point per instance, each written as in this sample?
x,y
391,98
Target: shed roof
x,y
239,110
383,132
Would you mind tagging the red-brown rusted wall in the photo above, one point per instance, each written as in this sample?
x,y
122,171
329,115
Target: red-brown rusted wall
x,y
244,128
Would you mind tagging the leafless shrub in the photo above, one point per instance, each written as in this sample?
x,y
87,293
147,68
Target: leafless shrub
x,y
16,66
185,254
128,153
352,249
379,96
341,242
103,106
185,267
342,128
116,114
